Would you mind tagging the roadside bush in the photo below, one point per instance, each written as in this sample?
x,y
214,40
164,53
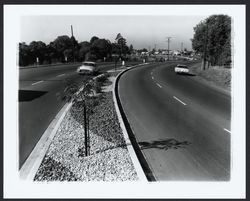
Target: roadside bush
x,y
100,81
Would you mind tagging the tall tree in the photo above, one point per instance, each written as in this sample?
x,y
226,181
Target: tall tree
x,y
84,49
60,44
37,49
212,38
131,49
93,39
24,54
101,48
122,44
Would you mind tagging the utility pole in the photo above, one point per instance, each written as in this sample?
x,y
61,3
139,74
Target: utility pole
x,y
72,31
205,50
168,46
72,36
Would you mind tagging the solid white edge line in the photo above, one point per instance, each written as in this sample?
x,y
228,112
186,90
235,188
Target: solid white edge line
x,y
60,75
133,156
179,100
227,130
37,82
159,85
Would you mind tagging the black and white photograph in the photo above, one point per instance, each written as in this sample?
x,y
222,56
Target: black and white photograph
x,y
124,101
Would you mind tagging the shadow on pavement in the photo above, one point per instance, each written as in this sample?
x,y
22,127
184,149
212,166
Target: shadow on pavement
x,y
29,95
164,144
186,74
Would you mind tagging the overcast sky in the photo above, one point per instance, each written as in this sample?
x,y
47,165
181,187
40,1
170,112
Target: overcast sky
x,y
140,31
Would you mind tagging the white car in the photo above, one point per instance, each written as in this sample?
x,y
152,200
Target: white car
x,y
87,67
180,68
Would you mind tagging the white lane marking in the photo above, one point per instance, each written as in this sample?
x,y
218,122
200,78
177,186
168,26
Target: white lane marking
x,y
153,77
60,75
227,130
159,85
179,100
37,82
151,73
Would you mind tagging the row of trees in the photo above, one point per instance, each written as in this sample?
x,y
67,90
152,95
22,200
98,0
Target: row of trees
x,y
212,39
67,49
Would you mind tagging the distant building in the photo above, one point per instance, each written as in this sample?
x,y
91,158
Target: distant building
x,y
144,53
176,53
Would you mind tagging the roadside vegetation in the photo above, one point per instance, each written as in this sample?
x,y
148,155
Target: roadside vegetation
x,y
217,76
66,49
212,40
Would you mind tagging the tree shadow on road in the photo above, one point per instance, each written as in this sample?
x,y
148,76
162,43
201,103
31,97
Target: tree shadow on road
x,y
29,95
165,144
187,74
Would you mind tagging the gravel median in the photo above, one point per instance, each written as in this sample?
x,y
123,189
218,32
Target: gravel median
x,y
109,158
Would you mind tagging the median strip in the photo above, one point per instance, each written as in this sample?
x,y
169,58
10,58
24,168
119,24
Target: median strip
x,y
179,100
38,82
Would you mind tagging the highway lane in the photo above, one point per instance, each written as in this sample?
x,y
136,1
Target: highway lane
x,y
39,102
38,105
181,125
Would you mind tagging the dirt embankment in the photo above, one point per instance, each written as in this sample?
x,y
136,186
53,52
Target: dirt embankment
x,y
215,75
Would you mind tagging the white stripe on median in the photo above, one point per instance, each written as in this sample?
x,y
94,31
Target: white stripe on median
x,y
37,82
159,85
60,75
227,130
179,100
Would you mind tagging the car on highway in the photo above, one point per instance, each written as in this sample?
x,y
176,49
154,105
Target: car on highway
x,y
180,68
87,67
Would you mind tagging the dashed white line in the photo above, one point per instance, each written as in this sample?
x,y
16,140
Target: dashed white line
x,y
60,75
153,77
37,82
159,85
179,100
227,130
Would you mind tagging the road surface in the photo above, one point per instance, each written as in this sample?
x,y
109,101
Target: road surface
x,y
181,125
39,102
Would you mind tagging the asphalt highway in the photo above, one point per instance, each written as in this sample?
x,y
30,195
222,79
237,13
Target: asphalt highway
x,y
181,125
39,100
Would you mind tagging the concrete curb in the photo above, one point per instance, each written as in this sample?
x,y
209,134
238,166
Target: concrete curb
x,y
33,162
133,155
